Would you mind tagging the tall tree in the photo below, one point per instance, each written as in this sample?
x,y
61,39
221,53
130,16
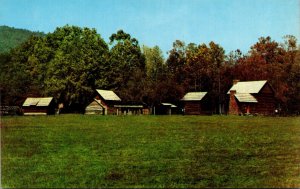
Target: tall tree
x,y
154,62
126,63
156,74
176,61
79,59
17,74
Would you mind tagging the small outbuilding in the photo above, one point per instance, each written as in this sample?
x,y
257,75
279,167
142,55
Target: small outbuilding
x,y
39,106
166,109
251,97
194,103
104,103
95,107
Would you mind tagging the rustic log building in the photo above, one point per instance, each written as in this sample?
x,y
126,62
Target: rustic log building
x,y
194,103
108,103
39,106
104,103
251,97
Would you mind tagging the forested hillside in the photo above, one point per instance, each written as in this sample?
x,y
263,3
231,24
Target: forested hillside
x,y
71,62
11,37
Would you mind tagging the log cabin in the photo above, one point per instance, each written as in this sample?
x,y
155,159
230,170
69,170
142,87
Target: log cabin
x,y
194,103
251,97
38,106
104,103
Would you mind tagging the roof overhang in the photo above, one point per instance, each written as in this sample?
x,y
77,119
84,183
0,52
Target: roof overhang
x,y
245,97
194,96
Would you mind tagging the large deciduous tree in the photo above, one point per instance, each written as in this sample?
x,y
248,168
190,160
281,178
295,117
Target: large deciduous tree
x,y
127,66
18,74
77,65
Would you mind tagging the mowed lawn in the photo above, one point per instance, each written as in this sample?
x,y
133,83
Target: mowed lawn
x,y
77,151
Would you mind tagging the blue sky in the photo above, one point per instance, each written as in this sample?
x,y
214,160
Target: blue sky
x,y
234,24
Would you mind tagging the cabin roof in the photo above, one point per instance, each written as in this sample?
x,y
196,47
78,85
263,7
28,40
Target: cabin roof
x,y
245,97
194,96
108,95
40,101
252,87
169,104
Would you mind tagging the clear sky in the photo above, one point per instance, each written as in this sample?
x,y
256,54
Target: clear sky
x,y
234,24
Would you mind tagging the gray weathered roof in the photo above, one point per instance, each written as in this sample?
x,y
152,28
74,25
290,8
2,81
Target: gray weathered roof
x,y
248,86
41,101
194,96
108,95
169,104
245,97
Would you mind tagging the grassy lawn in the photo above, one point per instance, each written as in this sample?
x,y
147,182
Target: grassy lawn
x,y
150,151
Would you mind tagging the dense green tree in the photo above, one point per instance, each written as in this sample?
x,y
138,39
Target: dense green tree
x,y
156,75
126,62
17,74
77,65
154,62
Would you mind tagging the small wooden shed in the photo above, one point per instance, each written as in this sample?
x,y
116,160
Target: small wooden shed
x,y
166,108
38,106
193,103
95,107
251,97
104,103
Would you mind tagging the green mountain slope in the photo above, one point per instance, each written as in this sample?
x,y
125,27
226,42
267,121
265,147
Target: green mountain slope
x,y
11,37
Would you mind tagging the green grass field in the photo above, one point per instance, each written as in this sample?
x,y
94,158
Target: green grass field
x,y
150,151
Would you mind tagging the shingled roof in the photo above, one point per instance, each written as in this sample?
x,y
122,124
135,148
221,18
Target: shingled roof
x,y
108,95
252,87
40,101
245,97
194,96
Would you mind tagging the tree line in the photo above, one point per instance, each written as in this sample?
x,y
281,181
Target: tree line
x,y
70,63
11,37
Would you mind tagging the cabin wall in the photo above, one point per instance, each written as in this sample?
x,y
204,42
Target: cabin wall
x,y
192,107
266,103
43,110
94,108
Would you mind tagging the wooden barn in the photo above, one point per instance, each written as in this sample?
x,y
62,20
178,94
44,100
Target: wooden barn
x,y
104,103
251,97
39,106
194,103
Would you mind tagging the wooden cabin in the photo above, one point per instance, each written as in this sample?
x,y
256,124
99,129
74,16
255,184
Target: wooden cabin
x,y
95,107
194,103
39,106
251,97
104,103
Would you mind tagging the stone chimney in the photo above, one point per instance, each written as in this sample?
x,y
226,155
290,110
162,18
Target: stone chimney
x,y
233,105
235,81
